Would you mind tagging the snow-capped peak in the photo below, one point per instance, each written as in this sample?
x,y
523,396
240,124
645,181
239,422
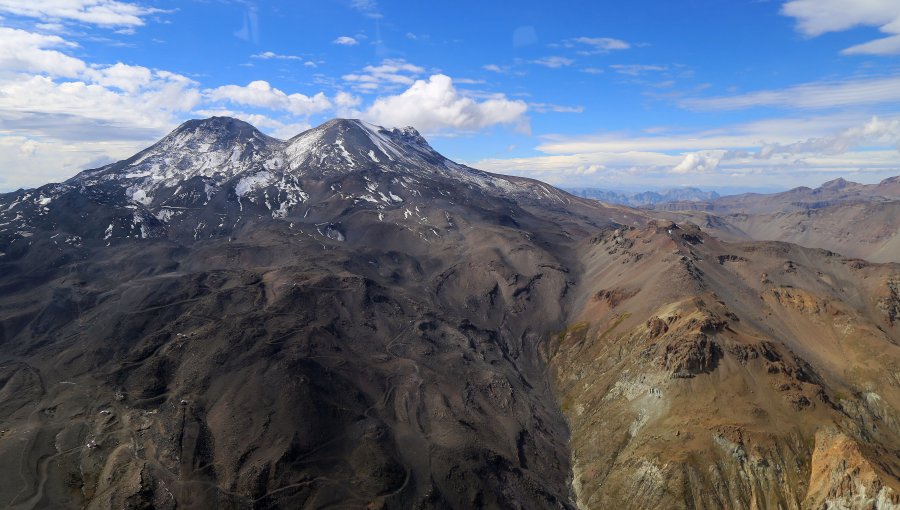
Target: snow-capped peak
x,y
217,149
201,157
347,144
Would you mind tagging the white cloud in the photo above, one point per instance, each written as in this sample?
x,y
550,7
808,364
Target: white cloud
x,y
123,77
49,27
637,69
699,163
346,41
779,152
48,93
97,12
52,161
435,105
874,133
346,105
817,95
554,62
367,8
390,75
494,68
22,51
346,100
816,17
751,135
555,108
609,168
260,94
270,55
886,46
599,45
69,109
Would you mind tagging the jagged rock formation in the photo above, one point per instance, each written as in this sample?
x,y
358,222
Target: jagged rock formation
x,y
347,318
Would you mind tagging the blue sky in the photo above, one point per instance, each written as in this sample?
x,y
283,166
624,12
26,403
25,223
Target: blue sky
x,y
646,94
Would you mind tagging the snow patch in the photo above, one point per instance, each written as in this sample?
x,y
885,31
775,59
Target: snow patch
x,y
251,182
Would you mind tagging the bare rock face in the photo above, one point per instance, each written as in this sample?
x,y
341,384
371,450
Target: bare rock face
x,y
890,304
737,392
842,477
349,319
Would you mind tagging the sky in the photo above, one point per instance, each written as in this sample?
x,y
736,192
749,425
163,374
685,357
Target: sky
x,y
727,95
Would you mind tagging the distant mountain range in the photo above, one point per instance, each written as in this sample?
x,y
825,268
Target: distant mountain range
x,y
837,191
859,220
645,198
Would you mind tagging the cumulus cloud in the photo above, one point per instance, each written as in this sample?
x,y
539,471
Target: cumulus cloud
x,y
391,74
123,77
345,40
77,109
346,104
554,62
45,91
817,17
261,94
96,12
698,163
434,105
22,51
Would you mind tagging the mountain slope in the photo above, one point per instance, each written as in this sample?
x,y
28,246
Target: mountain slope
x,y
347,318
699,374
344,317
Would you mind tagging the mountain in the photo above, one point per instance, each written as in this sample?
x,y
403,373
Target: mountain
x,y
349,319
854,219
834,192
646,198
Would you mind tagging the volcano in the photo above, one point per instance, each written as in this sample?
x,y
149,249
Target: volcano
x,y
349,319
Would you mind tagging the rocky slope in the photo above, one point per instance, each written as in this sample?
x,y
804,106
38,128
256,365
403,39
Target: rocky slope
x,y
711,375
349,319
